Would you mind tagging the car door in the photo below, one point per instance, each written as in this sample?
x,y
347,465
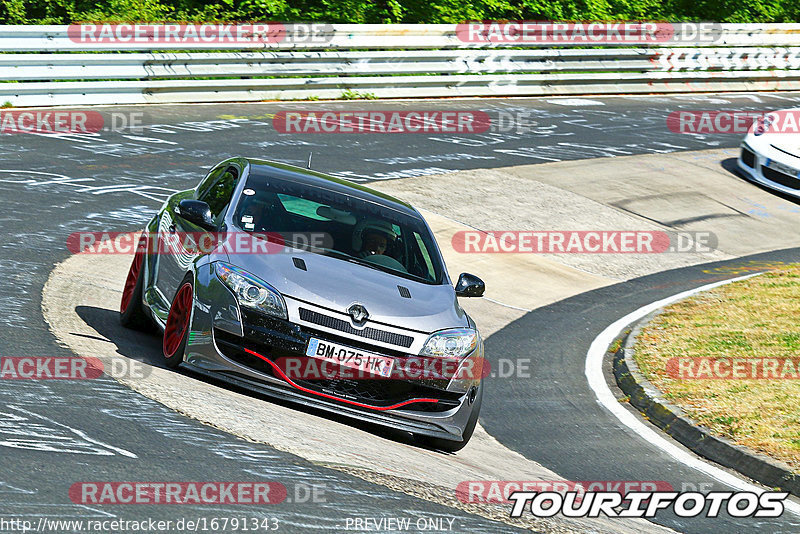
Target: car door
x,y
179,238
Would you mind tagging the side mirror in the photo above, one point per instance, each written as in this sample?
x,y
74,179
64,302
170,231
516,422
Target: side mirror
x,y
196,212
469,285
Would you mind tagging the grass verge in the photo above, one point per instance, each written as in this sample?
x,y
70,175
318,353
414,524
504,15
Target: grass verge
x,y
704,352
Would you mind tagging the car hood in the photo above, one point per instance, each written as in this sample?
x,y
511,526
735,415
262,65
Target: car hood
x,y
337,284
785,141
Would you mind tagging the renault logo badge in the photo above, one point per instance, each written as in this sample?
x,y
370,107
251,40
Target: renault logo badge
x,y
358,313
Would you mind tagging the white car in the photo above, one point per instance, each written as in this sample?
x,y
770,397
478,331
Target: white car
x,y
770,152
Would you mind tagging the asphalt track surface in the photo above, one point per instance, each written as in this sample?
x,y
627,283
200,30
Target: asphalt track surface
x,y
55,433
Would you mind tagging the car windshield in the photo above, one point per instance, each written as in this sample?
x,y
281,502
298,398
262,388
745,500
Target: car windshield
x,y
343,226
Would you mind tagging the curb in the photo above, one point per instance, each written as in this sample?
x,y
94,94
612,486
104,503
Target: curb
x,y
671,419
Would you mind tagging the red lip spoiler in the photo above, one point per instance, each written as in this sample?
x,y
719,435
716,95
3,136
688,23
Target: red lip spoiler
x,y
306,390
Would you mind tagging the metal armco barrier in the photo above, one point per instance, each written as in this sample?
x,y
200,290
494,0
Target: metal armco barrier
x,y
47,65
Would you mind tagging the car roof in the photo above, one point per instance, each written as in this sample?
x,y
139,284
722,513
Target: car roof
x,y
317,179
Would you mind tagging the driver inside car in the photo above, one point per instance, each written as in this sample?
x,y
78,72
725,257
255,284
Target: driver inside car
x,y
373,237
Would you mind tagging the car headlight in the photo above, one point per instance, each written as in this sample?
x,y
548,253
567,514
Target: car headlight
x,y
250,291
453,343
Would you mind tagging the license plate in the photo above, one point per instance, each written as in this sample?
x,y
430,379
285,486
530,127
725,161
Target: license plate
x,y
785,169
350,357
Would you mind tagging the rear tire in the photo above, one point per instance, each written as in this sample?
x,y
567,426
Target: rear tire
x,y
447,445
131,311
176,331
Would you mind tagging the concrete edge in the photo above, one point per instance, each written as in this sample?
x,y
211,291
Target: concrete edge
x,y
646,398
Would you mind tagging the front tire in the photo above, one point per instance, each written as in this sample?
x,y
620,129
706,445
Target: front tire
x,y
176,331
447,445
131,310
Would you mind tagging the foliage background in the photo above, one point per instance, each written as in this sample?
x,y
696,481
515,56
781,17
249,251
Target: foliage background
x,y
392,11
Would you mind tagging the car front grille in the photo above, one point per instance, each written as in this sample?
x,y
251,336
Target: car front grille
x,y
748,157
383,336
781,178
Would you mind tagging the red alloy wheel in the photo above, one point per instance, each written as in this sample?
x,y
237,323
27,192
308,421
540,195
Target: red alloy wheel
x,y
133,275
178,320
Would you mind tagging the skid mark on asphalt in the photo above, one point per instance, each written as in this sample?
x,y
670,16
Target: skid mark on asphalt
x,y
118,408
18,176
24,509
8,488
23,433
56,510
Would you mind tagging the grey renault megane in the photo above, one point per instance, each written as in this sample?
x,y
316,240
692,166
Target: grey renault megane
x,y
313,289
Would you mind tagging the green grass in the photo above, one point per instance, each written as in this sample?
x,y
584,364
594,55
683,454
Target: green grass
x,y
754,318
349,94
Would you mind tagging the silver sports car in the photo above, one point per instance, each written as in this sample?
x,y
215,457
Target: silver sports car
x,y
313,289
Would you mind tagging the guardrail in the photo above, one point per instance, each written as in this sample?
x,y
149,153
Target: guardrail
x,y
393,61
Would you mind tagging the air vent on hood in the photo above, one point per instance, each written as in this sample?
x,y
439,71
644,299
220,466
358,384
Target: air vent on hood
x,y
404,292
300,264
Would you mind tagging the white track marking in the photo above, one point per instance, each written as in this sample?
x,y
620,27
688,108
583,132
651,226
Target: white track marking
x,y
594,374
8,488
575,102
58,178
151,192
77,432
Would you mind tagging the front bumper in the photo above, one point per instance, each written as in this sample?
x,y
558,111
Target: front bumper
x,y
755,164
242,347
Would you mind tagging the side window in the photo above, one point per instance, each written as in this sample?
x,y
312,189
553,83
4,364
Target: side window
x,y
208,181
218,194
